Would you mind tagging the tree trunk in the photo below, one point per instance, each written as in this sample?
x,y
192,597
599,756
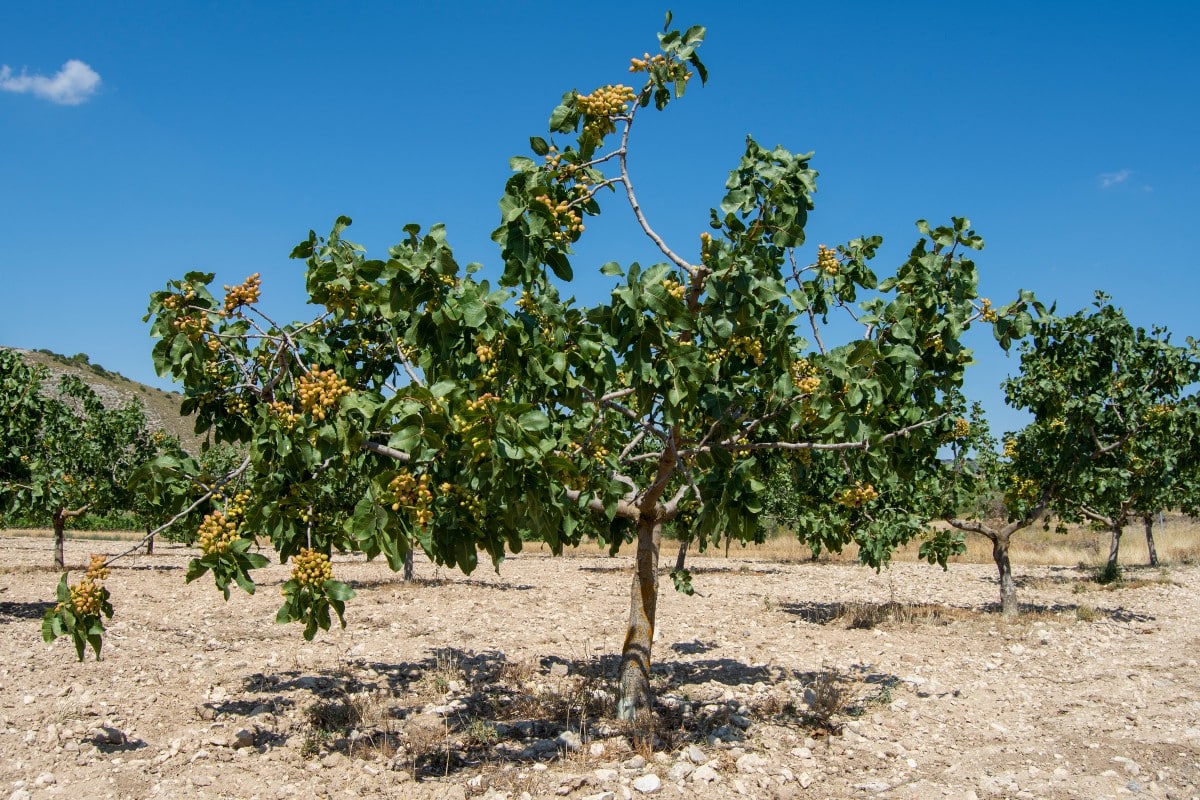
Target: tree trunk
x,y
1113,548
635,700
60,539
681,557
408,565
149,543
1009,606
1149,520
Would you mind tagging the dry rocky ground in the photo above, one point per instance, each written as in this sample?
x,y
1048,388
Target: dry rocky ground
x,y
776,681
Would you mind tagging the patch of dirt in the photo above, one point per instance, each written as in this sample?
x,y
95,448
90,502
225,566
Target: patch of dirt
x,y
775,681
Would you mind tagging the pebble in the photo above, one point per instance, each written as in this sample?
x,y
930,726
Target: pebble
x,y
704,774
648,784
570,741
695,754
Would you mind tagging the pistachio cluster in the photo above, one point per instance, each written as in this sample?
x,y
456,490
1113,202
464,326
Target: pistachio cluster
x,y
216,533
484,352
235,509
408,491
804,376
312,568
646,62
319,391
856,496
986,312
237,405
97,569
567,218
242,295
601,106
283,413
483,402
175,302
466,500
962,428
1022,488
86,597
194,326
1010,448
673,287
827,261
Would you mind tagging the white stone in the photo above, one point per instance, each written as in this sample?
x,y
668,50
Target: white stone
x,y
648,784
704,774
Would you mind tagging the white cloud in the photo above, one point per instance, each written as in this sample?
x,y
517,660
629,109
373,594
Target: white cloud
x,y
1111,179
70,86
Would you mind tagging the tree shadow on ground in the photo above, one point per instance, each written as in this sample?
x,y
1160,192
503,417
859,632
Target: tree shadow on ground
x,y
459,709
23,611
868,615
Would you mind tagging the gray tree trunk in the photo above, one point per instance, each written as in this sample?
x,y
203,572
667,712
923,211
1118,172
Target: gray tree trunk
x,y
60,538
1113,549
635,699
408,565
1149,521
1009,606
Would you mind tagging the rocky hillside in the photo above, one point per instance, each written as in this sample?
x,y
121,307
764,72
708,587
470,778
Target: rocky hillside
x,y
114,389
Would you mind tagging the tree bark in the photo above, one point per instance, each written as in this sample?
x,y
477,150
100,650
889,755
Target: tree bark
x,y
1149,521
1113,549
149,543
408,565
635,700
1009,606
60,538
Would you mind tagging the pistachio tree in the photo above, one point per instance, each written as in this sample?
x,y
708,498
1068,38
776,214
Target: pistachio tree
x,y
1117,418
65,453
979,479
474,413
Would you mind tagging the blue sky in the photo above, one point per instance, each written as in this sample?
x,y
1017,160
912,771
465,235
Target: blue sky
x,y
142,140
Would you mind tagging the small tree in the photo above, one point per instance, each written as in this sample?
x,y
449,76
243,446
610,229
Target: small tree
x,y
1117,417
974,478
475,416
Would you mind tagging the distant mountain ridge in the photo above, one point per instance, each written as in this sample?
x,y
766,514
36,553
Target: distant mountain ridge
x,y
114,389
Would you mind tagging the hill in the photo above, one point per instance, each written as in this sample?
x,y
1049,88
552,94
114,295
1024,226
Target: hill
x,y
114,389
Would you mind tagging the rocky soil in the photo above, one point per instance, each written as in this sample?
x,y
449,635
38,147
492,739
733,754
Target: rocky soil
x,y
776,681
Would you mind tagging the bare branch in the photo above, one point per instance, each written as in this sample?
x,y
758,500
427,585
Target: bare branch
x,y
384,450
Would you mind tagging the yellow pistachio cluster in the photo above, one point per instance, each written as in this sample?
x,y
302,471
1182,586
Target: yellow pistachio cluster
x,y
216,533
856,496
97,570
962,428
319,391
407,491
673,287
1022,488
646,62
566,218
283,413
194,326
237,405
1010,448
244,294
175,302
484,352
312,568
827,261
804,376
86,597
601,106
986,312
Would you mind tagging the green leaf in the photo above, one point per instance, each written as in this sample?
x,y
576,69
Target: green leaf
x,y
336,590
539,145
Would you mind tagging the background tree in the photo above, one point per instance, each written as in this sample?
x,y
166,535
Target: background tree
x,y
66,453
978,480
478,416
1117,417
